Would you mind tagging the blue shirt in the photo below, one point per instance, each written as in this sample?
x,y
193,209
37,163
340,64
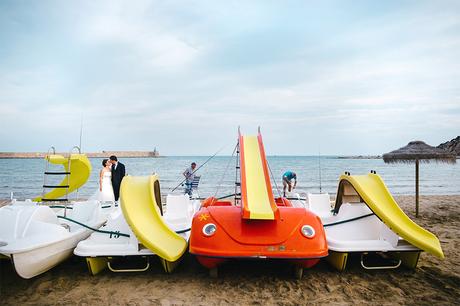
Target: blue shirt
x,y
289,175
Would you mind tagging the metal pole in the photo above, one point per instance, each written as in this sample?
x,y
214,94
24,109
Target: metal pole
x,y
81,130
319,166
416,187
237,199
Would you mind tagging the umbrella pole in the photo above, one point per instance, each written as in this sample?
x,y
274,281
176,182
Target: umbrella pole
x,y
416,187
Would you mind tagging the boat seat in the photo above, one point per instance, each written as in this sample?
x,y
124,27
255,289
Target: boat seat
x,y
177,208
85,211
16,220
319,204
368,228
283,202
349,194
196,182
223,203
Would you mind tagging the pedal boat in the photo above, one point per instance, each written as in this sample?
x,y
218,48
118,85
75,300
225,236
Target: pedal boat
x,y
366,220
140,230
258,227
35,238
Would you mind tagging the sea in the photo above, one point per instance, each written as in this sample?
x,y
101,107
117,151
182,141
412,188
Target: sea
x,y
24,178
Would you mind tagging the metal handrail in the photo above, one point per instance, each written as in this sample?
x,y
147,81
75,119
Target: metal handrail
x,y
52,148
47,166
70,154
75,147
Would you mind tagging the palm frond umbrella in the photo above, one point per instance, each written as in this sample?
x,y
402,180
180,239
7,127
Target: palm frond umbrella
x,y
418,151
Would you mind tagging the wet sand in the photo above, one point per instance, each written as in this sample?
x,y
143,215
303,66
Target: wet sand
x,y
434,281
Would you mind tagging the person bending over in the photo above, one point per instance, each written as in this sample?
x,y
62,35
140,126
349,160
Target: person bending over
x,y
289,181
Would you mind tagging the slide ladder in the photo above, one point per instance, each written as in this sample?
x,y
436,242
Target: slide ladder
x,y
257,198
373,191
77,169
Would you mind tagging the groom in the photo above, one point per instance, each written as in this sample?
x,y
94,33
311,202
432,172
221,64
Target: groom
x,y
118,172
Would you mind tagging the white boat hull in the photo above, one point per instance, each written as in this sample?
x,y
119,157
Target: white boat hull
x,y
354,228
37,261
36,240
99,247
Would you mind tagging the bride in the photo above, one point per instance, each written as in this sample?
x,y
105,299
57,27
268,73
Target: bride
x,y
105,193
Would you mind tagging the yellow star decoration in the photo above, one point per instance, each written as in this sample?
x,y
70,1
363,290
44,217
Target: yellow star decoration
x,y
203,217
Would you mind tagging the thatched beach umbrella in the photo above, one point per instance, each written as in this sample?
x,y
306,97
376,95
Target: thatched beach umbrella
x,y
418,151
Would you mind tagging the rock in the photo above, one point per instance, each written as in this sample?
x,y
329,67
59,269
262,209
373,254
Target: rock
x,y
451,146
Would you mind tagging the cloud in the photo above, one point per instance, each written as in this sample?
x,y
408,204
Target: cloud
x,y
183,77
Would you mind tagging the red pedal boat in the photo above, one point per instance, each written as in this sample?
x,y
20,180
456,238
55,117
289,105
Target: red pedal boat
x,y
257,226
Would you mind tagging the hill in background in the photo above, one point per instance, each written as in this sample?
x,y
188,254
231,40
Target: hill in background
x,y
452,146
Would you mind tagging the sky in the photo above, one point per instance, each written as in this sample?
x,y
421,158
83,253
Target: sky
x,y
336,77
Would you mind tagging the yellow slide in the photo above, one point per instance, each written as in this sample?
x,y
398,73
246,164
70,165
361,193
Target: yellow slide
x,y
376,195
256,190
80,169
140,197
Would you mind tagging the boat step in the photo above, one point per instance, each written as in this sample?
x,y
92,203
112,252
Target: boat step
x,y
56,173
55,186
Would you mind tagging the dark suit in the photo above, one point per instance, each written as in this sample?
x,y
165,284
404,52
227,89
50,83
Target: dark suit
x,y
117,177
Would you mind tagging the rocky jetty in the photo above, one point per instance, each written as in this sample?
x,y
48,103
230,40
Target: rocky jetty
x,y
360,157
452,146
102,154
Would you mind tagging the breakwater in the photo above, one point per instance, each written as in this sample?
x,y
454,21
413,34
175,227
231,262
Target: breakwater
x,y
123,154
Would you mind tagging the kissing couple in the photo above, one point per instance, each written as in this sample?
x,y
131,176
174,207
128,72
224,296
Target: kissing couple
x,y
110,178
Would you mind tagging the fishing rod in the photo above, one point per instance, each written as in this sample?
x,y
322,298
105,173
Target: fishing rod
x,y
319,168
274,180
225,172
180,184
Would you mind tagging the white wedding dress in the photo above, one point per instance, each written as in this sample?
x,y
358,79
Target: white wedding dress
x,y
106,195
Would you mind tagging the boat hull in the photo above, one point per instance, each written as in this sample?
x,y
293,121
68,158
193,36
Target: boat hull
x,y
236,238
101,250
214,262
356,230
39,260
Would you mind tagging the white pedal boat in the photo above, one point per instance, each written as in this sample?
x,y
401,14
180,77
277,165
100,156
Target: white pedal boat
x,y
366,219
36,239
147,233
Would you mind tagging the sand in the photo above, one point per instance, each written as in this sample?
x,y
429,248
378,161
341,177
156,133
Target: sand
x,y
434,281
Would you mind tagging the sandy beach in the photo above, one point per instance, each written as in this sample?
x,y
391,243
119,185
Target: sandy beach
x,y
259,283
